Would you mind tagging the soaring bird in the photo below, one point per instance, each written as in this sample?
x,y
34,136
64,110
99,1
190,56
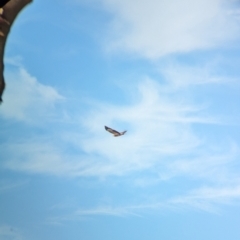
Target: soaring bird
x,y
114,132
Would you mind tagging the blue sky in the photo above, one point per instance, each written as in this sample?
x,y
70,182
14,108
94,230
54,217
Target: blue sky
x,y
167,72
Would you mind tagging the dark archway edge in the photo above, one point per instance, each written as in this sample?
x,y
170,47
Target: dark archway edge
x,y
10,11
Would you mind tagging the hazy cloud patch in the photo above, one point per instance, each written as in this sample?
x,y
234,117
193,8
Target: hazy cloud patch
x,y
26,99
157,28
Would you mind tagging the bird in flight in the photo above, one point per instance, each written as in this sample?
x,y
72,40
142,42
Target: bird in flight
x,y
114,132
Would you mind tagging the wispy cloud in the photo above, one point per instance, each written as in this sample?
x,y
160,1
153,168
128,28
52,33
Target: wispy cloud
x,y
160,129
163,142
179,75
25,97
110,211
157,28
16,61
106,210
209,198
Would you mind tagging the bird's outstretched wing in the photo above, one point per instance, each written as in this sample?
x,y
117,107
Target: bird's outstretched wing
x,y
114,132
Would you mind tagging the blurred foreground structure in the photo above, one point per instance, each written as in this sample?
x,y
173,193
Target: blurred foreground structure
x,y
9,9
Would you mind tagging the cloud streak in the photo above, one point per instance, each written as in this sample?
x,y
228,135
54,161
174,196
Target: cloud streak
x,y
208,199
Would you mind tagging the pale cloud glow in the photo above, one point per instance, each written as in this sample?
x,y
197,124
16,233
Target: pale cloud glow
x,y
183,76
161,141
209,199
157,28
159,128
25,98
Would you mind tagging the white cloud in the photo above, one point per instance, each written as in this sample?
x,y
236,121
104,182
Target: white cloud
x,y
209,198
162,143
107,210
25,98
157,128
82,214
155,28
181,76
14,61
160,129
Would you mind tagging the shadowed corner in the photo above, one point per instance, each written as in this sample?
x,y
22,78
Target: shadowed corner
x,y
3,23
9,9
2,87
